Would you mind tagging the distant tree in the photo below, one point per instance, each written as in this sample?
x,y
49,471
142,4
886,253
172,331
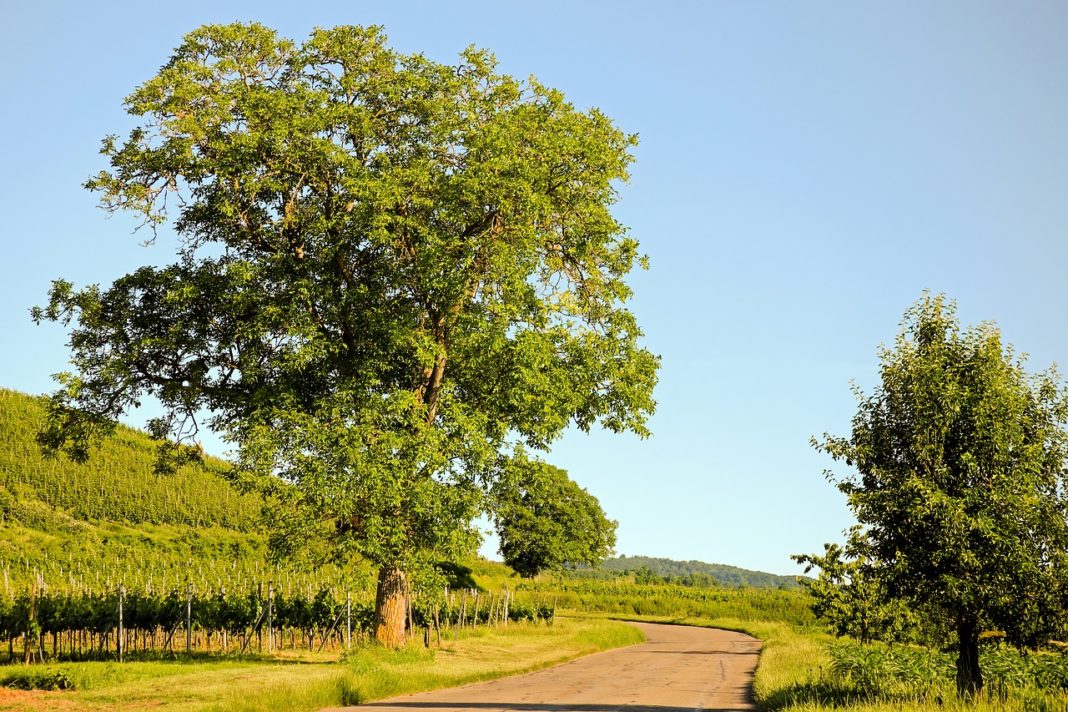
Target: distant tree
x,y
544,520
960,483
645,575
389,271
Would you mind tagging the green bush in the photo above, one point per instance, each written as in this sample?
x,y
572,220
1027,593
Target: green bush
x,y
895,671
30,678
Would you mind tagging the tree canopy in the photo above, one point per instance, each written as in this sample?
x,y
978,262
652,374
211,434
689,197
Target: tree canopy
x,y
546,521
389,273
960,483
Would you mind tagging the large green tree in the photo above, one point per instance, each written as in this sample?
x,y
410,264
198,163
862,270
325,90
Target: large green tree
x,y
960,483
390,272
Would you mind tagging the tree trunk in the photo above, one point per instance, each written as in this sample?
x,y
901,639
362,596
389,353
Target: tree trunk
x,y
390,607
969,676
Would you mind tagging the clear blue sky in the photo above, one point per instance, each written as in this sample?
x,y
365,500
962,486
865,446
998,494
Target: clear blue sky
x,y
805,171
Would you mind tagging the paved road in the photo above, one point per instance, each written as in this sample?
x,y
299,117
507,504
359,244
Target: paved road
x,y
677,669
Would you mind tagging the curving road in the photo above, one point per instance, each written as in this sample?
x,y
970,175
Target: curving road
x,y
677,669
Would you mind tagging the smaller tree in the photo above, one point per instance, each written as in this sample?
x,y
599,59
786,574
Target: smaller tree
x,y
960,484
546,521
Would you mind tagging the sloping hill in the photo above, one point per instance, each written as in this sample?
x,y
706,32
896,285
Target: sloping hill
x,y
113,519
117,484
691,572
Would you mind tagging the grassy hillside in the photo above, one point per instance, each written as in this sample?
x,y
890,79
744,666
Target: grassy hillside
x,y
688,572
117,484
112,519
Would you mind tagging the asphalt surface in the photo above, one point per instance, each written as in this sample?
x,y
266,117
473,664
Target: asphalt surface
x,y
677,669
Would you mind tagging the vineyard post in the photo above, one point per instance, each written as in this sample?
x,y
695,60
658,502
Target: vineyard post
x,y
270,616
507,605
30,619
259,603
188,618
475,617
122,597
348,620
448,610
463,608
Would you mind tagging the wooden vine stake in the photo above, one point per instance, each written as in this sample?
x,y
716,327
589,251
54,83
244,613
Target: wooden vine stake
x,y
122,632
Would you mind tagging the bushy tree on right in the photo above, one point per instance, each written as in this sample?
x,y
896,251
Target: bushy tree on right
x,y
958,480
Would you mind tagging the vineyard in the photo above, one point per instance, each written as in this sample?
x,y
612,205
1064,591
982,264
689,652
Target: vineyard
x,y
41,626
149,619
626,599
118,483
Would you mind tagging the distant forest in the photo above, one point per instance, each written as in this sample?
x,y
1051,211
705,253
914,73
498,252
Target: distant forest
x,y
648,569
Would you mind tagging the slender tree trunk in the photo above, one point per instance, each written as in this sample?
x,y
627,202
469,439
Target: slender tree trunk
x,y
390,607
969,676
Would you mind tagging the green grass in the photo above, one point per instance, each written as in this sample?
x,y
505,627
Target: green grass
x,y
367,674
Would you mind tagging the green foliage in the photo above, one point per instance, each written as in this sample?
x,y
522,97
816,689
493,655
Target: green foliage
x,y
960,483
144,610
98,557
896,672
852,599
34,678
390,270
59,615
546,521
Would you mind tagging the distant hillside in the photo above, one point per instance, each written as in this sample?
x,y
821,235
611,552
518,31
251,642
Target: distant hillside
x,y
112,519
117,484
693,571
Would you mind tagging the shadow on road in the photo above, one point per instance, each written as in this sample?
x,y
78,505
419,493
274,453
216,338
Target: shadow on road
x,y
702,652
539,707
